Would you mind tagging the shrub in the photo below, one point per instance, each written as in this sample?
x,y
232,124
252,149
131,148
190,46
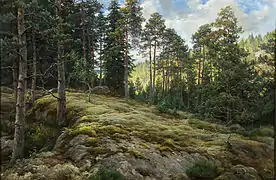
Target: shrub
x,y
39,136
203,170
107,174
262,131
162,107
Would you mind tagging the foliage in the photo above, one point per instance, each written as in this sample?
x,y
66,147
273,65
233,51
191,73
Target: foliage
x,y
39,136
107,174
114,51
132,90
203,170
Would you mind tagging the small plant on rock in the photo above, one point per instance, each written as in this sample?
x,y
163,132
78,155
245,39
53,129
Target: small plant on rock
x,y
107,174
203,170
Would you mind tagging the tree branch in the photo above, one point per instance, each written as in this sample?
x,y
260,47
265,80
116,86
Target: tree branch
x,y
48,91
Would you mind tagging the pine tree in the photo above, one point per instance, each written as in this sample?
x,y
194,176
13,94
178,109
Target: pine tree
x,y
61,108
152,36
131,26
18,148
102,33
113,57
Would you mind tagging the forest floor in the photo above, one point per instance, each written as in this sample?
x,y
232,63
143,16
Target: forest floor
x,y
127,139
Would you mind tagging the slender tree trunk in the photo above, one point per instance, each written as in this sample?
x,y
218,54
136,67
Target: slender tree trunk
x,y
15,79
151,88
101,62
18,148
203,68
181,86
84,43
211,72
274,105
154,71
34,68
83,33
199,72
126,66
92,59
61,109
163,80
198,81
188,94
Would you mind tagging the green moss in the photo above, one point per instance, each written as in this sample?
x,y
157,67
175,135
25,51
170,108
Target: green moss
x,y
121,108
136,154
86,129
207,126
92,141
164,148
145,145
111,130
98,150
169,142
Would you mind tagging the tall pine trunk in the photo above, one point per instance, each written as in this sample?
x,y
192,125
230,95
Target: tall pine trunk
x,y
163,80
126,66
34,68
18,148
154,71
84,43
274,101
15,79
101,63
150,68
198,82
61,108
181,85
92,54
203,67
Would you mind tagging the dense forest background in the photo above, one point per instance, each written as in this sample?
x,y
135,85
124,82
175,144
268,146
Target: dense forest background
x,y
221,77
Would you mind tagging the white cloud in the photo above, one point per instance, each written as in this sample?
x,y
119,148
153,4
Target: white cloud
x,y
257,21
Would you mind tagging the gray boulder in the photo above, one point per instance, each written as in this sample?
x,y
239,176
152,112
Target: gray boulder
x,y
240,172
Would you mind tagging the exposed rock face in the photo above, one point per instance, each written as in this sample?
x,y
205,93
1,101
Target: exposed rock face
x,y
130,158
41,169
100,90
240,172
132,139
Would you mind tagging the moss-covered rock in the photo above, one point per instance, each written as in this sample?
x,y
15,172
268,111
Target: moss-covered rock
x,y
240,172
134,138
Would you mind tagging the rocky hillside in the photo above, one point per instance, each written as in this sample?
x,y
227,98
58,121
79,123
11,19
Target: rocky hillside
x,y
113,138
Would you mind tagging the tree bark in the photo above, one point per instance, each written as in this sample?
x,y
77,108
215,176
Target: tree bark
x,y
101,74
203,68
61,109
163,81
126,66
92,53
34,68
181,85
15,79
83,33
83,43
151,88
154,71
18,148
